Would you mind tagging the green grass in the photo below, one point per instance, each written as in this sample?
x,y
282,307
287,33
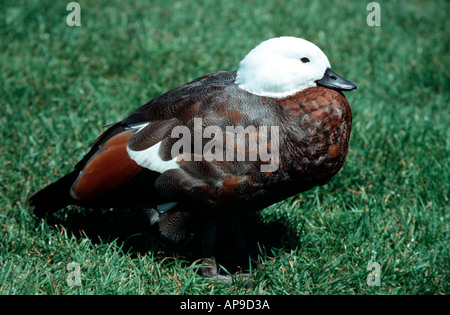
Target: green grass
x,y
389,204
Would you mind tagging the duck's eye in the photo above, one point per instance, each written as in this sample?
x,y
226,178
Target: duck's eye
x,y
305,60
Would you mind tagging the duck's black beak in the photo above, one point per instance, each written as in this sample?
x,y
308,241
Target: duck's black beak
x,y
334,81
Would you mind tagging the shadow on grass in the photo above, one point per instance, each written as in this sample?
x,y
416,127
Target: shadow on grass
x,y
132,230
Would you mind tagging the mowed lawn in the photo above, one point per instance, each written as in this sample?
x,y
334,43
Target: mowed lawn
x,y
60,85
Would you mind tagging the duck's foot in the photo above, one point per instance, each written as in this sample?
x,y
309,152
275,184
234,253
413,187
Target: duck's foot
x,y
209,269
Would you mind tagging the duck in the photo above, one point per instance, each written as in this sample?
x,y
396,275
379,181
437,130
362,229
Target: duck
x,y
227,143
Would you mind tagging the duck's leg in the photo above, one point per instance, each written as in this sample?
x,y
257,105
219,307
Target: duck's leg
x,y
209,264
232,242
236,254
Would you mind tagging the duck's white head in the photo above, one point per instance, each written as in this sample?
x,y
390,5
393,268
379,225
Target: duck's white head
x,y
283,66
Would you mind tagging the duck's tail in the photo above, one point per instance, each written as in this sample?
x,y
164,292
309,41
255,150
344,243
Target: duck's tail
x,y
53,197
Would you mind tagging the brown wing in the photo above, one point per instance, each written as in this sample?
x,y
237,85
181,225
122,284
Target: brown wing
x,y
109,168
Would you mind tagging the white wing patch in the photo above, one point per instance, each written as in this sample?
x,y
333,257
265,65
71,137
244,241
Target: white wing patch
x,y
150,159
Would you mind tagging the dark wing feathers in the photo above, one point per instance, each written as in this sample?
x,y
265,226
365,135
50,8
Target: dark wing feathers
x,y
170,105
